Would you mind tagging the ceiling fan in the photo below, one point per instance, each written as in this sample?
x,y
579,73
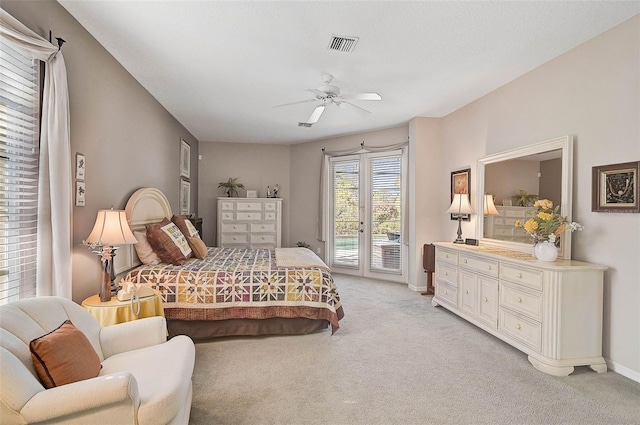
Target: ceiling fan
x,y
329,93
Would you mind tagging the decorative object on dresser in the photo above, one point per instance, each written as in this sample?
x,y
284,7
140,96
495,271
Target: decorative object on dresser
x,y
615,188
489,205
459,207
524,199
231,186
254,223
111,229
252,193
550,311
545,228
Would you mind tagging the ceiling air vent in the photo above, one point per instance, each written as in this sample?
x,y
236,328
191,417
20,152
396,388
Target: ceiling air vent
x,y
342,43
304,124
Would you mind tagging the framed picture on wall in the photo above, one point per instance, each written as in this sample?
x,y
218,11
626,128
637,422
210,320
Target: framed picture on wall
x,y
185,197
185,159
80,194
80,166
461,183
615,188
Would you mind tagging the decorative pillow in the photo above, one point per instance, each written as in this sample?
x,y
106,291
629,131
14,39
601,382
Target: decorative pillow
x,y
198,247
168,242
144,250
63,356
184,224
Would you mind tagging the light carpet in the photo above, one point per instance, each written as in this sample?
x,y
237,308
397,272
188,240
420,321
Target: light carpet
x,y
395,360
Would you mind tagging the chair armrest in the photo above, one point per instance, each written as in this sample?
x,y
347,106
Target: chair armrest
x,y
132,335
88,397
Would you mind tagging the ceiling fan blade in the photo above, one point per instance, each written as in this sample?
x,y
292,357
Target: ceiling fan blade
x,y
294,103
316,114
350,106
362,96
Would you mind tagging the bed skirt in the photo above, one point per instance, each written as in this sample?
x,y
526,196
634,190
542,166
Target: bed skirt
x,y
204,329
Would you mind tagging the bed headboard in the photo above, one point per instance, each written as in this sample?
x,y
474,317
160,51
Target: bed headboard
x,y
146,206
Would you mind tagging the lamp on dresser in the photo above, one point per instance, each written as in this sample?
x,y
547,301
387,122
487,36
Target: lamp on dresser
x,y
110,230
459,207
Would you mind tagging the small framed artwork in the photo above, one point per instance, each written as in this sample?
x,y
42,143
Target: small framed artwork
x,y
507,203
185,196
185,159
80,166
80,194
460,183
252,193
615,188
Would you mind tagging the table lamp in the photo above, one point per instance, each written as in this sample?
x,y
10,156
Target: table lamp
x,y
490,206
111,229
459,207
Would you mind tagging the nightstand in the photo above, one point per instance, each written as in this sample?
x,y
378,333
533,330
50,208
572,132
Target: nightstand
x,y
114,311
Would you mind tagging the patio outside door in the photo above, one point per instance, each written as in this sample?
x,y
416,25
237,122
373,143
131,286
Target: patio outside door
x,y
365,225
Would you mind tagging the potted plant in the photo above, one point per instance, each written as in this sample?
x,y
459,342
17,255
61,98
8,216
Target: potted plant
x,y
231,186
524,199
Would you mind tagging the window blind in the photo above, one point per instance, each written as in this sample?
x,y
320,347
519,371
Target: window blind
x,y
386,190
19,136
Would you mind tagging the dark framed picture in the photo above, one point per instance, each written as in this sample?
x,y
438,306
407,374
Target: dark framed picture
x,y
615,188
461,183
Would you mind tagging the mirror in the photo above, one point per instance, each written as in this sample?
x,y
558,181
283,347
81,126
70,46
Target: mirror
x,y
545,170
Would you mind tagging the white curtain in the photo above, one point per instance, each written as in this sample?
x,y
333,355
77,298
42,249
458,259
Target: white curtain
x,y
323,214
54,187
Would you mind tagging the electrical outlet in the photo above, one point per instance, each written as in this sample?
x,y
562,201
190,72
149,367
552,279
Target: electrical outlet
x,y
318,250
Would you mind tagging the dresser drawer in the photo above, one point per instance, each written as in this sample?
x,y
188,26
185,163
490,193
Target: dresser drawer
x,y
270,216
234,227
446,272
254,216
263,227
249,206
521,275
446,292
270,206
448,256
266,238
481,265
529,304
226,205
524,330
235,239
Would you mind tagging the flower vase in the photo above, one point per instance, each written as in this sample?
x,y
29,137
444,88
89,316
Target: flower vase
x,y
545,251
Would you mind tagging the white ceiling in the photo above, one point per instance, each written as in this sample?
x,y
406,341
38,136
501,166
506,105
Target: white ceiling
x,y
219,66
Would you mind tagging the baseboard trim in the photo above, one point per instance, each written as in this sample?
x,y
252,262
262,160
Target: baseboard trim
x,y
622,370
417,288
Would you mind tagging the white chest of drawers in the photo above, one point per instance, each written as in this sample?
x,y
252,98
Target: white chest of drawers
x,y
551,311
249,222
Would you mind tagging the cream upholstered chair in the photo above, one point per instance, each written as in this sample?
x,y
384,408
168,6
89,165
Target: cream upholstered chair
x,y
144,378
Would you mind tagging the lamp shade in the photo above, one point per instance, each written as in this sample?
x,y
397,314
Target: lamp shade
x,y
460,204
490,206
111,228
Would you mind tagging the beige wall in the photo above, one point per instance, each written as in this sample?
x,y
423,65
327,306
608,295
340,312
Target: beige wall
x,y
128,138
255,165
591,92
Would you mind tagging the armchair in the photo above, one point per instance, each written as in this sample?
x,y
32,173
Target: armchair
x,y
144,379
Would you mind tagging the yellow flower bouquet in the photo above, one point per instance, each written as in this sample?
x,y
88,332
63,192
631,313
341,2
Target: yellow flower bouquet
x,y
547,225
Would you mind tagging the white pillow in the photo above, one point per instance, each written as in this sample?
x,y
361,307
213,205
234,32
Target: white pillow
x,y
144,250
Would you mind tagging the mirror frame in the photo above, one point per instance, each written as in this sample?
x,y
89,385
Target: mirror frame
x,y
565,144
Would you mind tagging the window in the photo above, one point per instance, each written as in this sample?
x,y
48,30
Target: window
x,y
19,141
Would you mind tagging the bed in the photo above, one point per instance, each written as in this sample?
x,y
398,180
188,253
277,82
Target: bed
x,y
234,291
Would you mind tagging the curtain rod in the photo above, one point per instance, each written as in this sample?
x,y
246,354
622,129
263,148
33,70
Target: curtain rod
x,y
60,40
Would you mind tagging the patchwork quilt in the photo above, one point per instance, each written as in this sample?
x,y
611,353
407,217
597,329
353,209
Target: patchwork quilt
x,y
239,283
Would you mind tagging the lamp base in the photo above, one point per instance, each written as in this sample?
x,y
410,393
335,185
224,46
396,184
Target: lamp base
x,y
459,238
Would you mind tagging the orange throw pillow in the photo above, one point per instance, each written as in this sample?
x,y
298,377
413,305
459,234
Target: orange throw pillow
x,y
63,356
198,247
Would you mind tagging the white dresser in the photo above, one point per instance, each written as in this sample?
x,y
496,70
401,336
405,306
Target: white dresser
x,y
503,226
249,222
552,311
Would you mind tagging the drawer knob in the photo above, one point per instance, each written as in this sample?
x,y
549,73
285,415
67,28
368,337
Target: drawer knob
x,y
518,326
486,299
519,275
235,239
235,228
466,291
263,238
446,273
465,261
519,299
446,292
488,267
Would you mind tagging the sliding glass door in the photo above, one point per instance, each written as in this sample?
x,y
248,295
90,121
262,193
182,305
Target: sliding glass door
x,y
366,210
